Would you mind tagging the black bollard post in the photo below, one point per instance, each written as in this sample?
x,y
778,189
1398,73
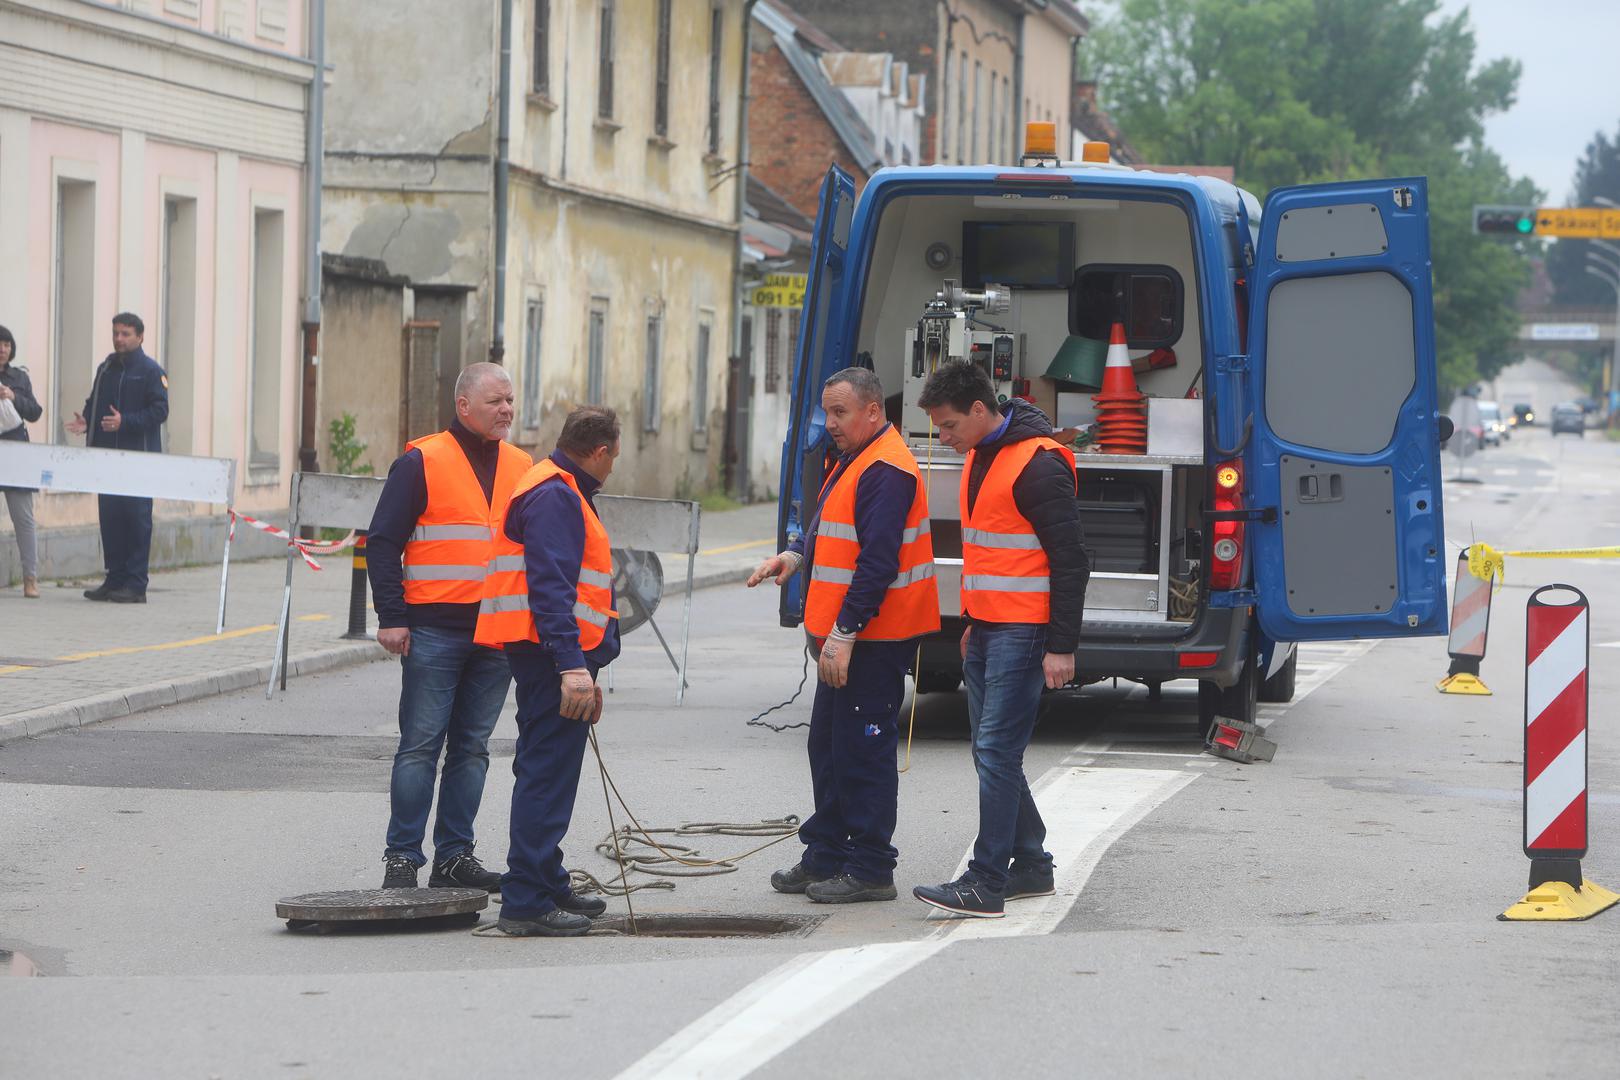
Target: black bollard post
x,y
357,590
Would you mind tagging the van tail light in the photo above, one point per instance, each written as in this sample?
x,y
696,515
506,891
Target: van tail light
x,y
1226,548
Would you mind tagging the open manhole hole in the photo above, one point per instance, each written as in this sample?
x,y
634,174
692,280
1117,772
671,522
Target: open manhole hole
x,y
709,926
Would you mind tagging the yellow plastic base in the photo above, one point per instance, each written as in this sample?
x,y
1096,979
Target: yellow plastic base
x,y
1557,901
1463,684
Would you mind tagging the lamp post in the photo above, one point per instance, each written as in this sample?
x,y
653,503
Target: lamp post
x,y
1612,279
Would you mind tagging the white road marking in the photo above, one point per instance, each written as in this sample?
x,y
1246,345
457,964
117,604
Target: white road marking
x,y
1086,810
1610,645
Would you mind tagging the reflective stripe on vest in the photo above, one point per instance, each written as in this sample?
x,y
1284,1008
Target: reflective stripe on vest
x,y
1006,577
447,554
910,606
504,613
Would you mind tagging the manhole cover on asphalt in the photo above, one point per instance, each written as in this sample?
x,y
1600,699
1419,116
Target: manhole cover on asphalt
x,y
709,926
380,907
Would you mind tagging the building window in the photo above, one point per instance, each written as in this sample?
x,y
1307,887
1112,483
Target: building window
x,y
541,83
700,368
596,356
661,87
604,63
74,332
717,28
978,83
992,141
905,155
533,320
945,113
961,110
793,334
264,419
177,328
773,350
652,378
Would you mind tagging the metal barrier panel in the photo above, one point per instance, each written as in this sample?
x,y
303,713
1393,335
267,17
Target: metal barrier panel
x,y
118,472
338,502
650,524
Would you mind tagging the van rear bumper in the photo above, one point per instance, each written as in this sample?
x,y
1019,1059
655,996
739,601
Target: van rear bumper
x,y
1118,651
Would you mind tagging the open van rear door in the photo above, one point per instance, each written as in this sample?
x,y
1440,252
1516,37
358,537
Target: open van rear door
x,y
1346,534
803,450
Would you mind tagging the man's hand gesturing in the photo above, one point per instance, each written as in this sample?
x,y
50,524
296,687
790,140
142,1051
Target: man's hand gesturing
x,y
782,567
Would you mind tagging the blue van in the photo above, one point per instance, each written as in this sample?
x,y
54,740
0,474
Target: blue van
x,y
1290,490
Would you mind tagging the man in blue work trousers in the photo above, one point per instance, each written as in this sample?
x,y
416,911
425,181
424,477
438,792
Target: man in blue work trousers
x,y
128,403
871,594
548,600
1024,575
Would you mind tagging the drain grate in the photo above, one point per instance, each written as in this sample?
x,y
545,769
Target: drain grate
x,y
709,926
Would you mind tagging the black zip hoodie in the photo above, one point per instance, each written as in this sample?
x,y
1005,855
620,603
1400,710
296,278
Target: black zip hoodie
x,y
1044,493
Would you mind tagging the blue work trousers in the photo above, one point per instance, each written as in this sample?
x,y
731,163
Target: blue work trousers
x,y
853,734
550,751
452,692
126,540
1004,682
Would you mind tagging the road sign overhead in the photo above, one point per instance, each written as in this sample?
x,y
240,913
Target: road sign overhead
x,y
1580,222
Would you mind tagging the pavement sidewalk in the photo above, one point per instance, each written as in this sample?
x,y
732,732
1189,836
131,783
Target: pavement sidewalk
x,y
66,661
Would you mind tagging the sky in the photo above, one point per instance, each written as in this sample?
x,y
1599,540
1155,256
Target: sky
x,y
1569,89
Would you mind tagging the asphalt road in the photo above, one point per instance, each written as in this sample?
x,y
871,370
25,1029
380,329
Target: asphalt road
x,y
1331,913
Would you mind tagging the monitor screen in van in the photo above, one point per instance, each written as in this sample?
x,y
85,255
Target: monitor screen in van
x,y
1019,254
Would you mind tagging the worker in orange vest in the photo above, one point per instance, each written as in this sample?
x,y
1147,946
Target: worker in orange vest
x,y
871,593
1024,574
427,553
548,601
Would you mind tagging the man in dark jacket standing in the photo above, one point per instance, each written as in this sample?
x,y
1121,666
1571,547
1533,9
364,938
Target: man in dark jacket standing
x,y
128,403
1024,575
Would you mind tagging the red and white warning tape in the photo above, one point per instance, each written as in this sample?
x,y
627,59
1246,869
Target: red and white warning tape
x,y
306,549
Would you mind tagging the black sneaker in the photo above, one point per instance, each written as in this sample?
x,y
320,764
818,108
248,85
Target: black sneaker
x,y
580,904
967,895
398,872
554,923
848,889
125,596
1025,880
463,871
794,879
99,592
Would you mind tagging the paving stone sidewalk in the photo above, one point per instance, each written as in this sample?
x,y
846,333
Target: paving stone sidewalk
x,y
66,661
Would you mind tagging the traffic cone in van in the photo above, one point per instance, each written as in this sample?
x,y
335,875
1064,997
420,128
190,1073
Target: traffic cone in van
x,y
1121,407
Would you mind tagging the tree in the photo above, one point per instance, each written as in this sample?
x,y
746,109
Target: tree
x,y
1298,91
1597,173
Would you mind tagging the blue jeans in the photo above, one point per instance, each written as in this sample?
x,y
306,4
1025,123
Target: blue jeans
x,y
452,692
1004,682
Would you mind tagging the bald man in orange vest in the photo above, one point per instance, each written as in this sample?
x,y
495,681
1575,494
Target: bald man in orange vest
x,y
871,594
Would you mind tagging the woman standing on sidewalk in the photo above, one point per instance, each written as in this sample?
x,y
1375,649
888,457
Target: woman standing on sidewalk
x,y
16,388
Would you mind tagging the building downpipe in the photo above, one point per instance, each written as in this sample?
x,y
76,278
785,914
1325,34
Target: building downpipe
x,y
314,155
503,153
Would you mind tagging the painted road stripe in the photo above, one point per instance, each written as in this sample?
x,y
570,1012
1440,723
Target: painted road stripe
x,y
1086,810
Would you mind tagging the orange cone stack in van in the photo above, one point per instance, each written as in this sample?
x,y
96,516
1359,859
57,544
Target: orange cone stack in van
x,y
1121,407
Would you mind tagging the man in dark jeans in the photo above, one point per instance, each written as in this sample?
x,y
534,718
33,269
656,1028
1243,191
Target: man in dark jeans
x,y
128,403
1024,575
427,553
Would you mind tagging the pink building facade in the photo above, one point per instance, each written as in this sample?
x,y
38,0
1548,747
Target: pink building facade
x,y
152,157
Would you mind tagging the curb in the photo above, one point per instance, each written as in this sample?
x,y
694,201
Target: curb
x,y
111,706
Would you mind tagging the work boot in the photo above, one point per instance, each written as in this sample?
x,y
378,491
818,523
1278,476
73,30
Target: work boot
x,y
125,596
463,871
578,903
967,895
848,889
398,872
1025,880
554,923
795,879
99,592
31,588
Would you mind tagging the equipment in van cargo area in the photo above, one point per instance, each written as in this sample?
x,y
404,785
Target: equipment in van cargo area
x,y
1018,254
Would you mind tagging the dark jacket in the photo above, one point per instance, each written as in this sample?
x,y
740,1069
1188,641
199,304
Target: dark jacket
x,y
547,522
139,389
403,500
882,501
1044,493
28,407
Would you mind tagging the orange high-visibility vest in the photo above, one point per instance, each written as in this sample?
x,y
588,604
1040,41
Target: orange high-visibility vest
x,y
1005,575
911,606
447,552
504,613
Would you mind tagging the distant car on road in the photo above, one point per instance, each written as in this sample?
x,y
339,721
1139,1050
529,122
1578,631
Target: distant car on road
x,y
1568,416
1523,415
1490,418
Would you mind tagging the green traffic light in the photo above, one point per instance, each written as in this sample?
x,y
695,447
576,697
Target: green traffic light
x,y
1526,225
